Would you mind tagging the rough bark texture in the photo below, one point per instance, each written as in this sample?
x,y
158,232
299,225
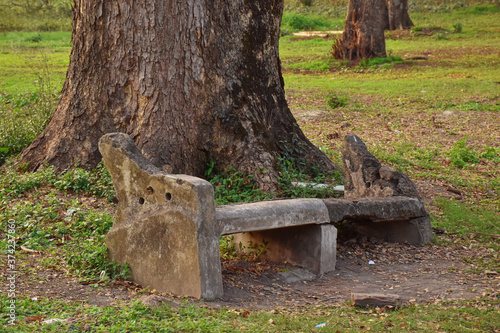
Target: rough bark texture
x,y
190,81
363,35
398,15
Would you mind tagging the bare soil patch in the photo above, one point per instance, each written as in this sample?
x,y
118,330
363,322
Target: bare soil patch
x,y
418,274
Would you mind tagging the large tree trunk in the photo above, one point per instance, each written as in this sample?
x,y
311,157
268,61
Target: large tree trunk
x,y
363,35
191,81
398,15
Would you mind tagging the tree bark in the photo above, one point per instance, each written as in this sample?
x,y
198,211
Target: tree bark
x,y
363,35
190,81
398,17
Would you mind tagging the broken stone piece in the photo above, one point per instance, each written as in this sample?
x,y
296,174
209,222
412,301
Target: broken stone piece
x,y
366,177
385,203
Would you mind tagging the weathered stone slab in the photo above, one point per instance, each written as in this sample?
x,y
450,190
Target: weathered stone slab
x,y
375,209
165,225
270,215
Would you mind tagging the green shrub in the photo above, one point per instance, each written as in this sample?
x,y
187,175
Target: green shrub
x,y
96,182
461,154
22,118
88,259
458,27
335,101
34,38
232,186
294,22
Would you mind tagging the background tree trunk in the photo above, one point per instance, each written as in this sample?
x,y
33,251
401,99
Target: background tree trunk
x,y
190,81
363,35
398,15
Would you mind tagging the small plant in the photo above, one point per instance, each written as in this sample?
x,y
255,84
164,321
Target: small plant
x,y
461,155
76,180
34,39
256,249
335,101
441,36
251,252
307,3
226,246
89,260
232,186
457,27
492,154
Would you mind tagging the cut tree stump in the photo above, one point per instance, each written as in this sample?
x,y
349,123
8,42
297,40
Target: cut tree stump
x,y
376,300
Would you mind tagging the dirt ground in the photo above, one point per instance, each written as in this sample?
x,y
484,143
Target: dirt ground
x,y
419,274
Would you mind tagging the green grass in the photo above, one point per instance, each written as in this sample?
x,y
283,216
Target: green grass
x,y
465,220
338,8
475,226
23,117
23,61
473,316
407,86
44,217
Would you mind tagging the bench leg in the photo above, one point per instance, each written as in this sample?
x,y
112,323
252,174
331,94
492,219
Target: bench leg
x,y
169,254
311,246
416,231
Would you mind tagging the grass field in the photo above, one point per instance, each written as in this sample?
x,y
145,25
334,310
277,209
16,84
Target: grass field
x,y
436,118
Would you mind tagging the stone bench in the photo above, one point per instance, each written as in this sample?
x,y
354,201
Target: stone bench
x,y
167,227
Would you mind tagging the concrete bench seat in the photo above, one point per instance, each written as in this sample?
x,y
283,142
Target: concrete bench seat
x,y
273,214
167,227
